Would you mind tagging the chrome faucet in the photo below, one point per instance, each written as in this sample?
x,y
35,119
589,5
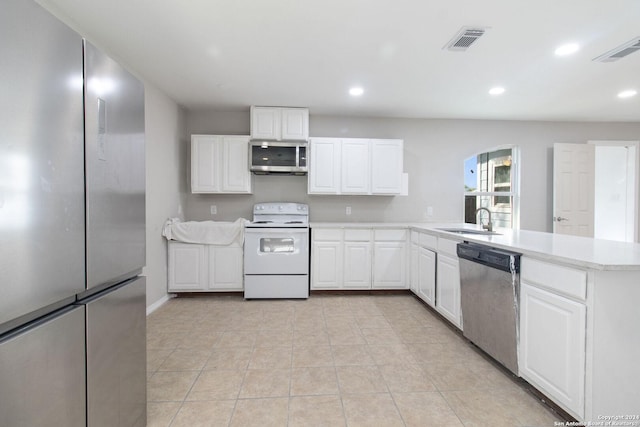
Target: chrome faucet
x,y
489,226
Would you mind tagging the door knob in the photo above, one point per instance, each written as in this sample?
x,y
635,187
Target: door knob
x,y
559,218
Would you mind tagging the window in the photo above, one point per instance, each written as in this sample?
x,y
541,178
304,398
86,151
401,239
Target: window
x,y
490,182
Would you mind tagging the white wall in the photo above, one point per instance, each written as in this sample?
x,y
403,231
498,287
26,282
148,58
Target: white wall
x,y
434,153
166,187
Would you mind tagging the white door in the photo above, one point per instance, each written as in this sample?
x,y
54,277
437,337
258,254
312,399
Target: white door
x,y
386,166
573,189
236,177
295,123
357,265
324,168
427,276
448,289
552,345
389,265
265,123
225,268
326,269
355,177
205,153
187,266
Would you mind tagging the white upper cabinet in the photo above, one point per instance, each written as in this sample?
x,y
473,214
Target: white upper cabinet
x,y
355,166
220,164
386,166
355,174
276,123
325,162
295,123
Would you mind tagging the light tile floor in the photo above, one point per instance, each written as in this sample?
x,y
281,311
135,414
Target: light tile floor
x,y
331,360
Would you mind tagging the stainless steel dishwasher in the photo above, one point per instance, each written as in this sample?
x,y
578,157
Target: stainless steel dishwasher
x,y
489,295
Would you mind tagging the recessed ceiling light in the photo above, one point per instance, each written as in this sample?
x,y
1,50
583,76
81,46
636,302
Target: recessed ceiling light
x,y
627,93
356,91
496,90
567,49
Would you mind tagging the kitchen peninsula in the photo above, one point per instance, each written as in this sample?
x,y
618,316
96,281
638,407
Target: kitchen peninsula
x,y
579,342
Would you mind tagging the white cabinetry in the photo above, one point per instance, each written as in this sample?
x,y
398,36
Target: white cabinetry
x,y
355,166
326,259
386,166
355,176
389,259
187,266
427,276
204,268
448,282
355,259
219,164
324,166
276,123
423,266
553,332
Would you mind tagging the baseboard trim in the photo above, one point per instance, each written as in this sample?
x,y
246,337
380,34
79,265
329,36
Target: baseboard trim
x,y
156,305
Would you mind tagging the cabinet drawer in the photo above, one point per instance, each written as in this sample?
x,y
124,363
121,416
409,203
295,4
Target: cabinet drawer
x,y
448,247
564,280
355,235
390,235
327,234
415,237
428,241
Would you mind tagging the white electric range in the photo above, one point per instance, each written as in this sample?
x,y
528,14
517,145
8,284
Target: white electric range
x,y
276,251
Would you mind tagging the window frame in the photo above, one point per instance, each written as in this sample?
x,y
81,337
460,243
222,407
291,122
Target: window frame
x,y
514,193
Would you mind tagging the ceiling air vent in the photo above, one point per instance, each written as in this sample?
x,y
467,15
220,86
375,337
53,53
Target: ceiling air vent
x,y
465,38
620,52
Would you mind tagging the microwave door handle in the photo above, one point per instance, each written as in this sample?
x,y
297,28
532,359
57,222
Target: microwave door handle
x,y
297,156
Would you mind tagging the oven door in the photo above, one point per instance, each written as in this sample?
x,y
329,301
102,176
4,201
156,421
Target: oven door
x,y
276,251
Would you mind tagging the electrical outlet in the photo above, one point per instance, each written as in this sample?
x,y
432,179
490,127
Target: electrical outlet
x,y
348,211
214,209
429,210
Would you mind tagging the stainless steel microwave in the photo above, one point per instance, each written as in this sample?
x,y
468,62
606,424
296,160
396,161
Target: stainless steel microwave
x,y
284,157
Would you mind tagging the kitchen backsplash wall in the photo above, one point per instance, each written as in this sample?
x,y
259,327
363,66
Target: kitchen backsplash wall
x,y
434,153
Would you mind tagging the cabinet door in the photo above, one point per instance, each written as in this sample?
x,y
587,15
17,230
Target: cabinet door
x,y
265,123
389,265
448,289
187,266
324,168
386,166
236,177
205,173
427,276
295,123
357,265
225,268
355,176
414,272
326,268
552,345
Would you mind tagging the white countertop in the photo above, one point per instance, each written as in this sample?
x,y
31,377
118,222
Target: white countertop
x,y
570,250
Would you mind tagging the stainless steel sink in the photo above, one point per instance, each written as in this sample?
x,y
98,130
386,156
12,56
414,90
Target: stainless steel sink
x,y
468,231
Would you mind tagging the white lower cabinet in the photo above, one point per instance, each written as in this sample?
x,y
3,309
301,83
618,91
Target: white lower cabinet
x,y
426,290
204,268
225,268
326,265
359,258
357,265
187,271
448,288
552,352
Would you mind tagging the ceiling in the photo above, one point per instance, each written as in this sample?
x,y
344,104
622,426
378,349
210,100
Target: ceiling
x,y
230,54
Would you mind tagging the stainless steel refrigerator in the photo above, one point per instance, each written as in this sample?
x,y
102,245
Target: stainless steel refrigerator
x,y
72,245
